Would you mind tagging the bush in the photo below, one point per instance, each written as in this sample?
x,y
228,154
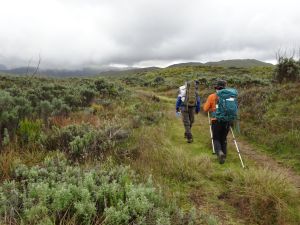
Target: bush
x,y
80,141
45,109
87,95
60,108
6,138
106,89
30,131
57,191
158,81
146,112
12,109
287,69
265,197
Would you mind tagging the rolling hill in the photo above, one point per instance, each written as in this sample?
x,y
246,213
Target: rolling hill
x,y
227,63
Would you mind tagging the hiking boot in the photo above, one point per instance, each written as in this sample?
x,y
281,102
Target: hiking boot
x,y
185,135
189,138
222,157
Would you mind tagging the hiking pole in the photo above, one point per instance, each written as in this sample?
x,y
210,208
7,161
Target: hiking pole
x,y
237,147
211,135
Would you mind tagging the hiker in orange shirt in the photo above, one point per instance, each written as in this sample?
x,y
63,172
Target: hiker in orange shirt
x,y
220,129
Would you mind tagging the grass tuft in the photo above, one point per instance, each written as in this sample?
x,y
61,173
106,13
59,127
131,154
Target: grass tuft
x,y
264,196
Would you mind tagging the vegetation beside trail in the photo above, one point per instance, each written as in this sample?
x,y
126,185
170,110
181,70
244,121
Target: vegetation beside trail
x,y
111,151
265,104
228,193
87,122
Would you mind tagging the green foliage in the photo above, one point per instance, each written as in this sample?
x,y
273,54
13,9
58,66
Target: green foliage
x,y
84,140
173,77
60,108
6,139
30,131
87,95
44,109
146,113
275,116
264,197
81,145
12,109
59,192
287,69
107,89
41,98
56,190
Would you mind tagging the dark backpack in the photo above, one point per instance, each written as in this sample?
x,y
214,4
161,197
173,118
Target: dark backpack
x,y
227,105
191,93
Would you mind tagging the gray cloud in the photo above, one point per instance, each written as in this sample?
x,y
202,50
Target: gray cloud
x,y
74,33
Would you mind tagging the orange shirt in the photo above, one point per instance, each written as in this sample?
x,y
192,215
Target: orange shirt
x,y
210,104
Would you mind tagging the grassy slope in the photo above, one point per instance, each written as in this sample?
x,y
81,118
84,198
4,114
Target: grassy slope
x,y
277,105
211,189
190,174
218,191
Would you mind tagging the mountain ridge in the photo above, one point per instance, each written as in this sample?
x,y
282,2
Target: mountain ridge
x,y
227,63
110,70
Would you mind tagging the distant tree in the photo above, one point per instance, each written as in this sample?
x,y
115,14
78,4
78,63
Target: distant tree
x,y
59,108
106,88
287,68
158,81
87,95
72,99
12,109
45,109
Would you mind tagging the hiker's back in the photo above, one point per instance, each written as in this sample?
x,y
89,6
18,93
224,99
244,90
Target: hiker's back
x,y
227,105
191,93
188,103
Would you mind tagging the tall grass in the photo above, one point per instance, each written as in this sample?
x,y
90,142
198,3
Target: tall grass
x,y
264,196
259,196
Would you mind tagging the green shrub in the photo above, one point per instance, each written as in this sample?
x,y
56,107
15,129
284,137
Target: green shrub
x,y
275,116
287,69
107,89
84,140
56,190
146,112
12,109
30,131
6,138
87,95
264,197
60,108
45,109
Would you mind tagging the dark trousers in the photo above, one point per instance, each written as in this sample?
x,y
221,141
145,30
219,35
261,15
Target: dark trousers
x,y
188,117
220,131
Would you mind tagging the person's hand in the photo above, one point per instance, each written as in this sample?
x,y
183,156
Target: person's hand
x,y
177,110
196,111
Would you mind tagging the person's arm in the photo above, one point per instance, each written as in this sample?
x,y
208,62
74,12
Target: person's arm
x,y
198,104
208,104
178,104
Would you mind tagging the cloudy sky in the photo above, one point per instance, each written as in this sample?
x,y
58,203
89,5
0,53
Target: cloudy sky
x,y
78,33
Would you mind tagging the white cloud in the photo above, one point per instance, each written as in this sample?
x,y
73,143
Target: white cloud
x,y
74,33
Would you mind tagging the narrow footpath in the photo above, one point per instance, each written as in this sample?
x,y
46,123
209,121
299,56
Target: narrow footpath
x,y
250,155
209,192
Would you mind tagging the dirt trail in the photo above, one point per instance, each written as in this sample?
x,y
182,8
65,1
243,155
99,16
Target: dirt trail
x,y
249,152
205,199
263,160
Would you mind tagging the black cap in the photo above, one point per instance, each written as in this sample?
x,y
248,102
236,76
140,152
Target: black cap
x,y
220,84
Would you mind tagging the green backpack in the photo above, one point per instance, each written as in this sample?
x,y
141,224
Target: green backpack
x,y
227,105
191,93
